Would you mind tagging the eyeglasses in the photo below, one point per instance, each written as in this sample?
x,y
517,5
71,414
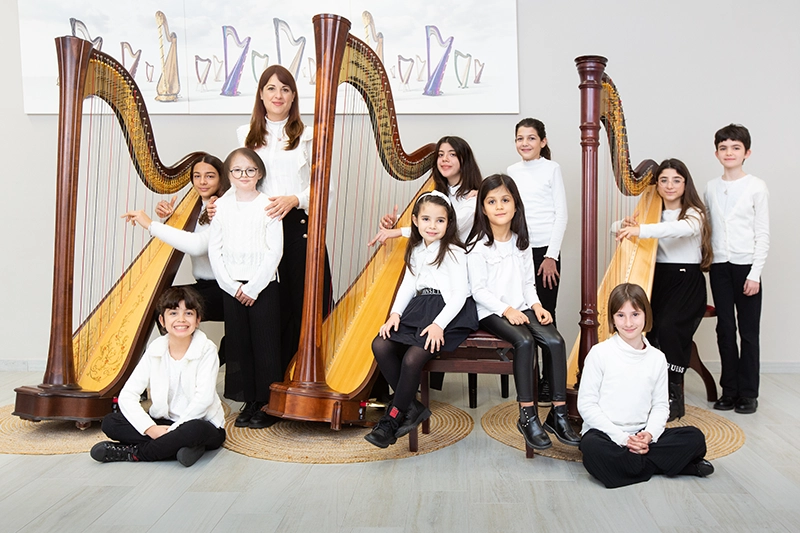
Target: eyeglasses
x,y
672,181
250,172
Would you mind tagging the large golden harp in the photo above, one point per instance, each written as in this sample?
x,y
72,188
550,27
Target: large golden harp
x,y
88,364
633,261
334,368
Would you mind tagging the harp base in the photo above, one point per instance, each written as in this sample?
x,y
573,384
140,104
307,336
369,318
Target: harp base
x,y
167,98
314,402
36,403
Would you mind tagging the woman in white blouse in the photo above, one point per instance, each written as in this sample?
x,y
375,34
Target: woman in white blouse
x,y
278,135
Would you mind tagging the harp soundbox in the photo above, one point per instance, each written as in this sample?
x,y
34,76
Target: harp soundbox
x,y
334,367
87,365
632,262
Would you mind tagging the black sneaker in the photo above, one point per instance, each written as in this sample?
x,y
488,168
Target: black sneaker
x,y
382,435
110,452
187,456
248,410
417,413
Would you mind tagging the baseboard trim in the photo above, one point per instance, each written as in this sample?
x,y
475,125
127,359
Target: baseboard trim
x,y
18,365
767,367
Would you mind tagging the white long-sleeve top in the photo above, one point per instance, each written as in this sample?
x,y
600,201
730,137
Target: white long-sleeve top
x,y
541,188
465,214
196,391
501,276
244,245
679,241
623,390
740,233
193,243
288,171
450,278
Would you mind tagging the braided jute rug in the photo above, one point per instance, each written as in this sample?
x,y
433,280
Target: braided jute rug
x,y
723,437
49,437
314,442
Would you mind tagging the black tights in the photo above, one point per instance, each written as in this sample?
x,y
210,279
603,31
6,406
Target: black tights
x,y
524,338
401,365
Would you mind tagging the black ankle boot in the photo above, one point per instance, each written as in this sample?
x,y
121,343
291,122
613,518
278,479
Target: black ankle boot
x,y
528,424
382,435
677,408
557,423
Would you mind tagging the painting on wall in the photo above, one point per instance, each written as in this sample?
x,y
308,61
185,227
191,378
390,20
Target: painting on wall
x,y
201,57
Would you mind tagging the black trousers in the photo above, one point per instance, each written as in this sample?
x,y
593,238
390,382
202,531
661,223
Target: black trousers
x,y
524,338
547,296
615,466
253,346
292,275
740,369
189,434
679,303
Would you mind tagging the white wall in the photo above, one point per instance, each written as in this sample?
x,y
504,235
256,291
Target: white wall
x,y
683,68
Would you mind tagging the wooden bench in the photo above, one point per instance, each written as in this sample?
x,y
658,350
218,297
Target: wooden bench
x,y
480,353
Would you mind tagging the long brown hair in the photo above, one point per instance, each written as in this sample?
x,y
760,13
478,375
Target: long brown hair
x,y
470,173
481,226
223,185
257,136
450,237
691,199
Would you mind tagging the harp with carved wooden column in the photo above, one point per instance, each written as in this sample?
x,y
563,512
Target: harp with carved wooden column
x,y
632,261
334,367
107,162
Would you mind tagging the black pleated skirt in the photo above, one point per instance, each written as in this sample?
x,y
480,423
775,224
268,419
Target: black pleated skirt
x,y
421,312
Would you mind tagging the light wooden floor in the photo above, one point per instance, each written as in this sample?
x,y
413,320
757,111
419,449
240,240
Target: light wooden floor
x,y
477,485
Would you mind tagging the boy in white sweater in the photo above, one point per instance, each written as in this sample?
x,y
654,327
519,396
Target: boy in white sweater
x,y
180,369
738,208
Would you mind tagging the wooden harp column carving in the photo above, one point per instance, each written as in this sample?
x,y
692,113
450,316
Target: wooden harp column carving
x,y
315,388
80,377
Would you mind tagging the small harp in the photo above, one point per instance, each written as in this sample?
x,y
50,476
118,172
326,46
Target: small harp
x,y
632,261
87,365
333,369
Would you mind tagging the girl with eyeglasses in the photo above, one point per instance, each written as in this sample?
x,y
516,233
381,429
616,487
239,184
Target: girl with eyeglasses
x,y
679,287
245,249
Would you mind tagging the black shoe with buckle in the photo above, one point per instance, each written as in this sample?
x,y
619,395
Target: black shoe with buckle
x,y
188,455
558,424
110,452
746,406
417,413
382,435
725,403
248,410
528,424
699,468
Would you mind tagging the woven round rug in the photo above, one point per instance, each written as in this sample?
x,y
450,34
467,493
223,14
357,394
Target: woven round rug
x,y
49,437
723,437
293,441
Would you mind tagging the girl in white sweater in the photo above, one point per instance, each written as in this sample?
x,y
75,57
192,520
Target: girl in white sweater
x,y
503,285
623,402
180,369
210,182
245,249
541,188
679,287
